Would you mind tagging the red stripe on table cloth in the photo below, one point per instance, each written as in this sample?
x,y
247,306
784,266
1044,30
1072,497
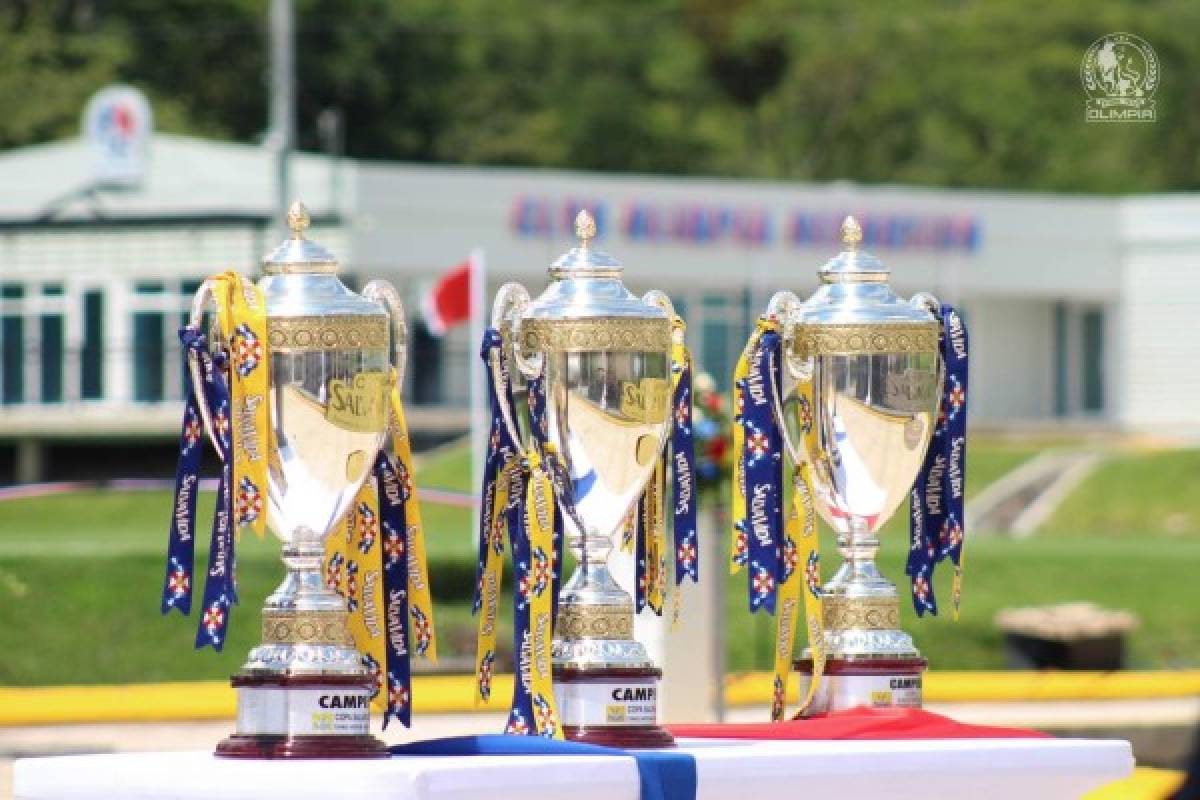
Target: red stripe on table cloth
x,y
858,723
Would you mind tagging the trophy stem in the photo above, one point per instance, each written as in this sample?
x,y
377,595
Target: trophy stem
x,y
304,585
870,661
304,692
605,684
858,548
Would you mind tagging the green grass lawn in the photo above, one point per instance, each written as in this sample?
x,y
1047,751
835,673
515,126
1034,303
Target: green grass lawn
x,y
80,576
1136,494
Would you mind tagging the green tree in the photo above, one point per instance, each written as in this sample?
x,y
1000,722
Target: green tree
x,y
924,92
47,70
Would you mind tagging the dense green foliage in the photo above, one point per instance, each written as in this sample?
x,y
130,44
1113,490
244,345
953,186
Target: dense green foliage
x,y
923,92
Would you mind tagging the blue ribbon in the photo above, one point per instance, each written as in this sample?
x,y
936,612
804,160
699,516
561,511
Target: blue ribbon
x,y
662,774
181,541
501,449
936,520
680,462
394,526
220,585
762,470
683,475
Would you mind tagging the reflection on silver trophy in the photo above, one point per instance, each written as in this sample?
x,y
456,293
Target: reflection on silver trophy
x,y
332,354
862,379
604,357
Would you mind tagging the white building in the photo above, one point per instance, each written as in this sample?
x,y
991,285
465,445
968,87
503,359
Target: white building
x,y
1081,309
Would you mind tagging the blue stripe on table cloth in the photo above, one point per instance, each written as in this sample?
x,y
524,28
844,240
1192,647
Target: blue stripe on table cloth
x,y
662,774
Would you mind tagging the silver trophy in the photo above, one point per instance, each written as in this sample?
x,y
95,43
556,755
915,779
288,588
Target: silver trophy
x,y
861,381
331,356
605,356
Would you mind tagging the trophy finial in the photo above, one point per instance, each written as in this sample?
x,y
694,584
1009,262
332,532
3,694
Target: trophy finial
x,y
298,219
296,254
851,233
585,227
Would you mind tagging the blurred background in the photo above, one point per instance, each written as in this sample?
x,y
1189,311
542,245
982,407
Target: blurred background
x,y
147,144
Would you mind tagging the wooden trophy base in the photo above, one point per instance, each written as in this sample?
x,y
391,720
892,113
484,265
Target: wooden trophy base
x,y
267,746
611,707
309,716
856,682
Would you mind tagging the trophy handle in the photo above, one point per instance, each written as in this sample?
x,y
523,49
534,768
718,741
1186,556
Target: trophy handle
x,y
507,311
385,294
510,303
199,303
660,300
783,306
930,303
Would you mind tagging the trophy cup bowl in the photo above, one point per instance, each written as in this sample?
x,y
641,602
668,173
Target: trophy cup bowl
x,y
605,357
861,382
305,692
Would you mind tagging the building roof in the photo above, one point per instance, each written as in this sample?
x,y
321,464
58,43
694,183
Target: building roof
x,y
186,177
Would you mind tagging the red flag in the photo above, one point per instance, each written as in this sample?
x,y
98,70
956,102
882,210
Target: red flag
x,y
449,301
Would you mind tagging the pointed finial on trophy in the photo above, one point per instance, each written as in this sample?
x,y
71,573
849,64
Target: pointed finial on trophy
x,y
585,227
851,233
298,219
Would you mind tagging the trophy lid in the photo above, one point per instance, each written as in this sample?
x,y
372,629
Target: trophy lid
x,y
583,260
586,283
297,255
853,265
854,290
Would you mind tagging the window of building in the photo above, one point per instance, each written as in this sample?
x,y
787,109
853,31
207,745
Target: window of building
x,y
1061,361
52,344
148,348
91,361
1079,355
425,383
722,332
12,344
1092,361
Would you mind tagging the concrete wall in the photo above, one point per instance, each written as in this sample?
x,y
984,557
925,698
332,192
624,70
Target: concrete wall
x,y
1012,359
1158,334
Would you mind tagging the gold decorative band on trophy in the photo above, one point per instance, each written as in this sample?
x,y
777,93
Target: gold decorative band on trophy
x,y
327,333
858,339
584,335
594,622
865,613
311,627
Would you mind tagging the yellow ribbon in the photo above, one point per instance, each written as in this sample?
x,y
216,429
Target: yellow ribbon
x,y
956,586
809,544
493,573
539,525
803,579
242,317
656,535
422,634
354,569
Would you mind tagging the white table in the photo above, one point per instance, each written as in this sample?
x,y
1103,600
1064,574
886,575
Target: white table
x,y
981,769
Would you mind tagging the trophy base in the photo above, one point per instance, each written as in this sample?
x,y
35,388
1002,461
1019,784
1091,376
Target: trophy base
x,y
308,716
610,706
265,746
893,682
625,737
